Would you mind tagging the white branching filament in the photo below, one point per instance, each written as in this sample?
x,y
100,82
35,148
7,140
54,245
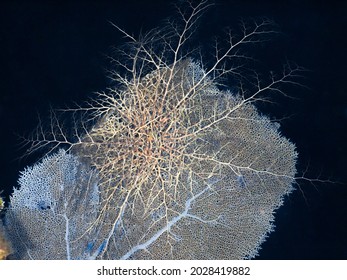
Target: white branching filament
x,y
177,157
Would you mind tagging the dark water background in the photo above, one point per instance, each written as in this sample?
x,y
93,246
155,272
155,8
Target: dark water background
x,y
52,53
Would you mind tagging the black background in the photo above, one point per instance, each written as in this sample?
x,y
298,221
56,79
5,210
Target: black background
x,y
52,53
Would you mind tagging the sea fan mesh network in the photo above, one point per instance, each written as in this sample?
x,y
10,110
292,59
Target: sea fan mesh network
x,y
49,215
183,169
205,186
